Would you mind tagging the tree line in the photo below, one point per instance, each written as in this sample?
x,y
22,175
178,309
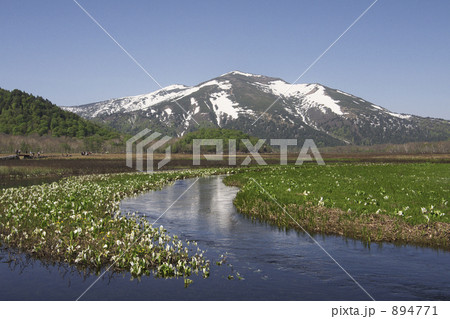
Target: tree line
x,y
24,114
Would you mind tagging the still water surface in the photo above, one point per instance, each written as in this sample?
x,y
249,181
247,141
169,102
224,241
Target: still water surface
x,y
275,264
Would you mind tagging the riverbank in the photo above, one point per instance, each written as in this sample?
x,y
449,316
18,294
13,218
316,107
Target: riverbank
x,y
398,203
77,221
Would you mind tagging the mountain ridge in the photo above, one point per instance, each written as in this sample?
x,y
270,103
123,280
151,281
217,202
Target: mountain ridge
x,y
236,99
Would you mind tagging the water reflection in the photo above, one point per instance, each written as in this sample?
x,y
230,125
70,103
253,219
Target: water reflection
x,y
276,265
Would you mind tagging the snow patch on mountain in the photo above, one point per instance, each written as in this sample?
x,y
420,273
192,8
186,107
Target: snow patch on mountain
x,y
135,103
221,104
144,101
193,101
175,87
322,99
195,104
282,88
397,115
247,112
224,85
242,73
377,107
400,116
313,95
341,92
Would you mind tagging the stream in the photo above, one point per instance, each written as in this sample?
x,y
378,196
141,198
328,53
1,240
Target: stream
x,y
274,264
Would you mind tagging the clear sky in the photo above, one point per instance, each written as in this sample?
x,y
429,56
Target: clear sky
x,y
397,55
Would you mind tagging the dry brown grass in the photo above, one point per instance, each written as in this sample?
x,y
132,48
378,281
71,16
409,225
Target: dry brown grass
x,y
49,144
441,147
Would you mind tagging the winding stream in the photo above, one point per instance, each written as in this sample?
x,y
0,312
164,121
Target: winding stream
x,y
275,264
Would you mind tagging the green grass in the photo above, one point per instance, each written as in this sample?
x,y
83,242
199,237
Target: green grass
x,y
77,221
353,200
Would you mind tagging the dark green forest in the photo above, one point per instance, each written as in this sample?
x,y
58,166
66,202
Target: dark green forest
x,y
23,114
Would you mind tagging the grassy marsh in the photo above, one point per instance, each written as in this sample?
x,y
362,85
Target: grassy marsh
x,y
402,203
76,220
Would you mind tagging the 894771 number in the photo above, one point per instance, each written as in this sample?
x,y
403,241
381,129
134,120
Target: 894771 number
x,y
414,310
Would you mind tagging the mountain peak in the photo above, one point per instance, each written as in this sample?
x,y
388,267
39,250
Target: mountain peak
x,y
237,72
238,100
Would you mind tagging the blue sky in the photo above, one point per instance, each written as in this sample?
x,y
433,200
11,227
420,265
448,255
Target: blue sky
x,y
397,55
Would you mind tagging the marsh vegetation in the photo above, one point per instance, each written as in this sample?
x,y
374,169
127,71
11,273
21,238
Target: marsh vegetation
x,y
403,203
76,220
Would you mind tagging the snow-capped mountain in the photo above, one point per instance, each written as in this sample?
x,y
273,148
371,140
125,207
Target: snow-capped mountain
x,y
236,99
